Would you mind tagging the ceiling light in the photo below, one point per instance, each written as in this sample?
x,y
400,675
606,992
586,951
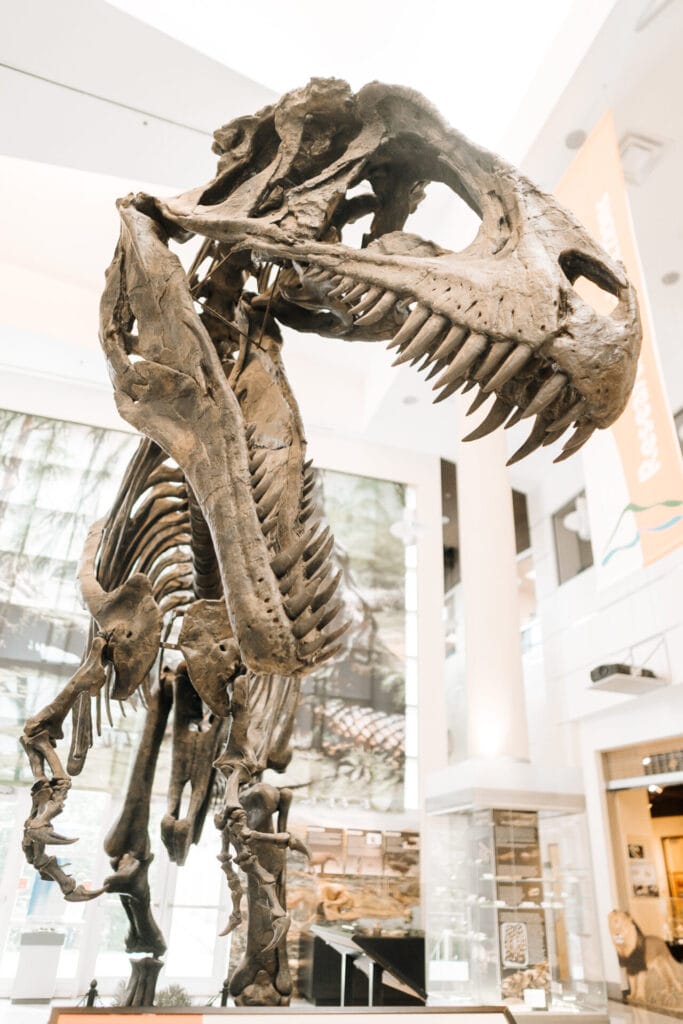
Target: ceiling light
x,y
639,154
575,139
671,277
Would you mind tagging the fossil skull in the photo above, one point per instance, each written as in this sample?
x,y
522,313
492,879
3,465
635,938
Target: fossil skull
x,y
196,358
502,314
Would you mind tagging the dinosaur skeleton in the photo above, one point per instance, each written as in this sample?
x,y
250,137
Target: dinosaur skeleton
x,y
215,524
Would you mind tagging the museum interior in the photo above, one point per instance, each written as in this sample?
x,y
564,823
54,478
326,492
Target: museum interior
x,y
475,794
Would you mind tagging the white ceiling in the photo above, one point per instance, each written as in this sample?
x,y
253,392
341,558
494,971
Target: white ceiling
x,y
475,61
120,106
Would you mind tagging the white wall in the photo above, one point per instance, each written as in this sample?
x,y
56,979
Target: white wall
x,y
583,627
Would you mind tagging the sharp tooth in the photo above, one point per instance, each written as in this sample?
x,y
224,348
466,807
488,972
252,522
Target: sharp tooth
x,y
316,543
471,350
268,525
256,459
307,506
449,390
324,595
498,413
323,639
313,273
298,603
468,386
308,622
512,365
324,286
331,613
478,402
423,340
547,393
379,311
517,415
356,293
494,357
437,367
312,646
258,476
452,342
370,299
343,286
552,436
331,652
284,561
268,502
572,414
412,325
533,441
576,441
313,564
260,489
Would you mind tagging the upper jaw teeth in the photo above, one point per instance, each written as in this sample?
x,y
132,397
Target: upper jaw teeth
x,y
463,358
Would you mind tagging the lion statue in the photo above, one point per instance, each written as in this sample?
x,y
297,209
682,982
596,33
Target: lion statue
x,y
655,978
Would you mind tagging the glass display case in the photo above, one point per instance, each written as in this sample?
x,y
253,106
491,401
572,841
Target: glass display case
x,y
510,913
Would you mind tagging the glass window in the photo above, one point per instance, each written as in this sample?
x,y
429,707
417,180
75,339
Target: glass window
x,y
350,733
572,538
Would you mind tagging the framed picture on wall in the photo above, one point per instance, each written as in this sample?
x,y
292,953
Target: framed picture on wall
x,y
643,878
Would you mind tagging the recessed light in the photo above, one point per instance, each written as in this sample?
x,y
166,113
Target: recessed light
x,y
575,139
639,154
409,400
671,277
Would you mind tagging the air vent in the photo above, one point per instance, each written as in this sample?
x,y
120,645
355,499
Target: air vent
x,y
639,154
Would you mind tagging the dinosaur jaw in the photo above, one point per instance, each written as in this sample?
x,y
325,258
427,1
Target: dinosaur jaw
x,y
549,371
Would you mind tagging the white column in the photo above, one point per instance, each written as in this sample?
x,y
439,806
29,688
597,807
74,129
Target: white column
x,y
496,715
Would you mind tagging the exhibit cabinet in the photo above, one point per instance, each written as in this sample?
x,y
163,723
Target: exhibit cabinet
x,y
510,914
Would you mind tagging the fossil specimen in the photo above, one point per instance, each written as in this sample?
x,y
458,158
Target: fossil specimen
x,y
209,583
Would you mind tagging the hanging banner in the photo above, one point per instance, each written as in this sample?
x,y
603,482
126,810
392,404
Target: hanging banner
x,y
633,471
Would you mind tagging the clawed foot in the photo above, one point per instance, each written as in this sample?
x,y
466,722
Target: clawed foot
x,y
280,929
46,836
81,895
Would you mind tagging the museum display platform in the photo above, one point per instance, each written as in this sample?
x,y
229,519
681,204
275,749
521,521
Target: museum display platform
x,y
262,1015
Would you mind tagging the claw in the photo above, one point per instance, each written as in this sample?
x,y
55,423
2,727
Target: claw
x,y
81,895
234,921
280,929
299,847
48,837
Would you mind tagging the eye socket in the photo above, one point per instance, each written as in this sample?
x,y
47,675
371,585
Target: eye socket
x,y
444,213
592,280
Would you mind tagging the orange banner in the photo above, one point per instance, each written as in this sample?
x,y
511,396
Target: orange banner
x,y
634,480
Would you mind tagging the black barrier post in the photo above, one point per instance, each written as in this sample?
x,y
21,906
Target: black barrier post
x,y
224,993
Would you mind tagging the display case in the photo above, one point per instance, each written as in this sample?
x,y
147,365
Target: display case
x,y
510,912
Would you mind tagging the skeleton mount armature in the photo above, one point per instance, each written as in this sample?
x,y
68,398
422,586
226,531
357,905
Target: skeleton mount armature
x,y
210,583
